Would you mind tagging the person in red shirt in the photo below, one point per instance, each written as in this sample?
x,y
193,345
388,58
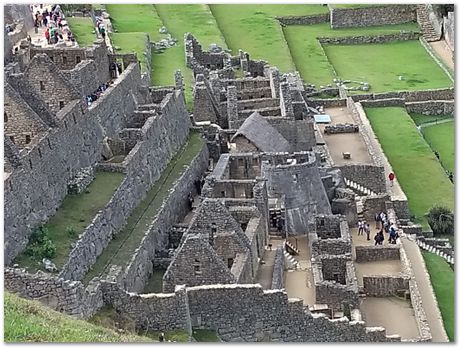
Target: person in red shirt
x,y
47,35
391,176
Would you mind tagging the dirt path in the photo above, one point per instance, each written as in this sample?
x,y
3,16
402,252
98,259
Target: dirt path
x,y
443,52
426,291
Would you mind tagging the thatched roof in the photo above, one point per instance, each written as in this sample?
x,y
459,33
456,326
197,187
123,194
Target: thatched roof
x,y
262,134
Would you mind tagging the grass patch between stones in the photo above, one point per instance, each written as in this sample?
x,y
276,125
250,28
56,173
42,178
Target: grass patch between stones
x,y
83,30
77,212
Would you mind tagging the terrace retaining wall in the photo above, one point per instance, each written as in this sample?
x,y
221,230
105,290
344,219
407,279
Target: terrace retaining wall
x,y
373,253
369,39
304,20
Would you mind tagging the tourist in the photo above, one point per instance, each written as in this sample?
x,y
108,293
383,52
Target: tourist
x,y
379,238
367,229
391,176
360,227
377,220
270,246
45,20
161,338
280,224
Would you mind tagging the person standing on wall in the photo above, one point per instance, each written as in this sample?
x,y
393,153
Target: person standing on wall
x,y
391,176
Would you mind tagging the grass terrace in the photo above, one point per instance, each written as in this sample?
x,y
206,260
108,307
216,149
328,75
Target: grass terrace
x,y
310,58
31,322
180,19
83,29
354,5
417,169
441,138
443,282
382,64
254,28
77,212
420,119
121,248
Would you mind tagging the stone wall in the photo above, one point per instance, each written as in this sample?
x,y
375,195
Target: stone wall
x,y
449,30
372,253
370,176
65,296
373,15
409,96
373,205
161,137
278,270
369,39
385,285
436,107
172,210
304,20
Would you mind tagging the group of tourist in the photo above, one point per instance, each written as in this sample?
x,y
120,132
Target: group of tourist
x,y
384,225
363,226
100,26
54,22
95,96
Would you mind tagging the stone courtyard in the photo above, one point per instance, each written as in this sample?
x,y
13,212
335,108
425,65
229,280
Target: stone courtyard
x,y
239,216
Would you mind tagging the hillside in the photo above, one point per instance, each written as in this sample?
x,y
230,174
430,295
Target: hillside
x,y
30,321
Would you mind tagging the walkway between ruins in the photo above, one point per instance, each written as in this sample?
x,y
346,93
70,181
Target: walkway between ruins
x,y
422,277
443,52
267,262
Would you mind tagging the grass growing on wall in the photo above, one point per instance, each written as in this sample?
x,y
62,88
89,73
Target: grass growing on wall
x,y
443,281
29,321
441,138
83,30
254,29
309,57
77,212
121,248
418,171
382,64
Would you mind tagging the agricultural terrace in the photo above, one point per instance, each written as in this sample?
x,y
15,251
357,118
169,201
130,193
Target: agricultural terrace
x,y
419,173
254,28
441,138
73,216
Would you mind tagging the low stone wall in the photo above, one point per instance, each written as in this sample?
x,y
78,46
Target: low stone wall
x,y
278,270
370,176
384,285
341,128
372,253
304,20
65,296
401,207
326,103
173,209
409,96
367,39
380,103
373,15
374,204
81,181
436,107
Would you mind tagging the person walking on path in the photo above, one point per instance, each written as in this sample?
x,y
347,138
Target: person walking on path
x,y
377,220
360,227
367,229
391,176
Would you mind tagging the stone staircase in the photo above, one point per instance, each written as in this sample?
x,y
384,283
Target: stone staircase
x,y
358,188
450,259
426,27
290,261
290,248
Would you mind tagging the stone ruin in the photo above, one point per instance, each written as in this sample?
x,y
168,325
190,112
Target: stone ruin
x,y
341,128
211,260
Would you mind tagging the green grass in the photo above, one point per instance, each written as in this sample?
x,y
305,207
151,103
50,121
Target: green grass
x,y
309,57
180,19
121,248
418,171
421,119
76,211
202,335
382,64
131,43
253,28
29,321
83,30
443,282
441,138
354,5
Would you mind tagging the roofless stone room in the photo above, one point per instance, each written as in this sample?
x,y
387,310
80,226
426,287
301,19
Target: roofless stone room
x,y
229,172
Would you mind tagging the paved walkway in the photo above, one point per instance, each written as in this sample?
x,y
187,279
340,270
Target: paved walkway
x,y
443,52
426,291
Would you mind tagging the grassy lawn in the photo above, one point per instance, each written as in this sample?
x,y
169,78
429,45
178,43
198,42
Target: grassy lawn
x,y
382,64
29,321
129,43
421,119
441,138
353,5
202,335
121,248
418,171
253,28
83,30
180,19
443,282
76,211
309,57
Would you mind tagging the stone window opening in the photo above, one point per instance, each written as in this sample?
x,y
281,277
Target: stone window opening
x,y
336,277
321,222
64,60
294,178
42,86
12,138
240,161
243,226
5,116
197,266
61,104
40,152
30,163
78,59
222,194
230,262
52,58
28,139
213,233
